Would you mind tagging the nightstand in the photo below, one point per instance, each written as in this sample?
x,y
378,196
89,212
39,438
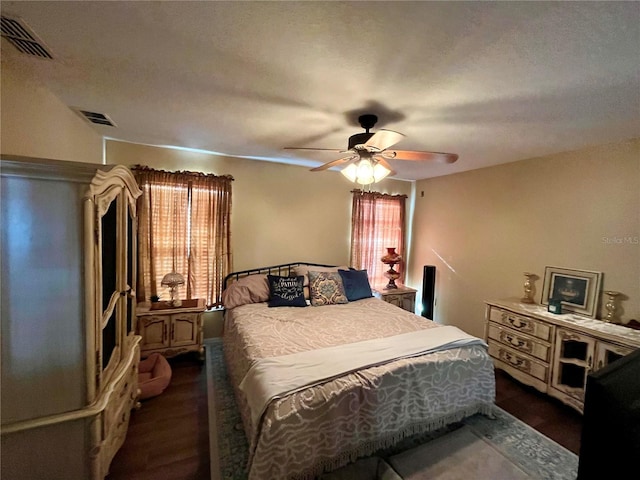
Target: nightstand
x,y
403,297
171,330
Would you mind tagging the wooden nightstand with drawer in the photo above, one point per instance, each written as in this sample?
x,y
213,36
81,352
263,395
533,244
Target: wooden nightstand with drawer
x,y
171,330
403,297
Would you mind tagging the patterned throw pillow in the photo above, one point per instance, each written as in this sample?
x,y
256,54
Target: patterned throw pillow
x,y
286,291
325,288
304,270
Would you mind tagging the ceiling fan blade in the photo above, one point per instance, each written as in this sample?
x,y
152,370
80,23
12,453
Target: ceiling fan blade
x,y
385,164
382,140
317,149
334,163
425,156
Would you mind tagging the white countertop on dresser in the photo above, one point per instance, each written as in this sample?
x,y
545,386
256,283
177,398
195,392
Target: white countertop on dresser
x,y
579,322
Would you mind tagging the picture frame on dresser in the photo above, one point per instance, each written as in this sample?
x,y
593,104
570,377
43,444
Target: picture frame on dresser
x,y
578,290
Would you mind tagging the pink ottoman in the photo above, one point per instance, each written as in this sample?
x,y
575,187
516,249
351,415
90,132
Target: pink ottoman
x,y
154,374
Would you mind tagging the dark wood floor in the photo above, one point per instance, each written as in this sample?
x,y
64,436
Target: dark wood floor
x,y
546,414
168,436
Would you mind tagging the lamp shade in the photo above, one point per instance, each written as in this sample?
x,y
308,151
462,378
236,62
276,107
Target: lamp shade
x,y
391,257
172,279
380,172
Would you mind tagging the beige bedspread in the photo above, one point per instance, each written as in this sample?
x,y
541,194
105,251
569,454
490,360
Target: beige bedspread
x,y
325,426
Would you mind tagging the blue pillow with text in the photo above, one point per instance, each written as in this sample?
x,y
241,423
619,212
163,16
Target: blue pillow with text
x,y
286,291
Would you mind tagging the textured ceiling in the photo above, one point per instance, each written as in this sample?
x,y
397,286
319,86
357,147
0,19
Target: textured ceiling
x,y
494,82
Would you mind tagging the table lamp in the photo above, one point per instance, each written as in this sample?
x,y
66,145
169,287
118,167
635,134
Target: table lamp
x,y
391,259
172,280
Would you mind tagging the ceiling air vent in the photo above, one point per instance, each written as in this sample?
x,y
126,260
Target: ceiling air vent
x,y
23,38
97,118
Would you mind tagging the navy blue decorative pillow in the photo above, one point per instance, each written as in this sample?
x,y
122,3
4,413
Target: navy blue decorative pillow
x,y
286,291
356,284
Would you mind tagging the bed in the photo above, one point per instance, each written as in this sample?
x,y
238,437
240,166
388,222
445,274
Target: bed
x,y
320,386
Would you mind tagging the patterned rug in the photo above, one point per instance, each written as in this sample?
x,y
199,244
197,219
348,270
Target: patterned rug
x,y
531,453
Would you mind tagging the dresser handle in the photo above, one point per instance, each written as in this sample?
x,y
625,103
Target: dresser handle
x,y
515,341
519,363
164,332
517,323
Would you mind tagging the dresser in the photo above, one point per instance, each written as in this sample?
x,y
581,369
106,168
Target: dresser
x,y
553,353
171,330
69,352
403,297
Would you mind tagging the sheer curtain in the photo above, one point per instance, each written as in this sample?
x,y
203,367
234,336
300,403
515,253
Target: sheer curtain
x,y
377,223
210,257
183,226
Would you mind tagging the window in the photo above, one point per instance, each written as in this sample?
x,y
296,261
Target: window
x,y
184,226
377,223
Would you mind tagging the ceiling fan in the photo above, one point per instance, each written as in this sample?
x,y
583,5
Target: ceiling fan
x,y
367,154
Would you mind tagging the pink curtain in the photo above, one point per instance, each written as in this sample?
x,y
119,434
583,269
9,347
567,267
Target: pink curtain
x,y
377,223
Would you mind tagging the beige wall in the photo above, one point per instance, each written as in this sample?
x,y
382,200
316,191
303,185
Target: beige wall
x,y
483,228
35,123
480,228
280,213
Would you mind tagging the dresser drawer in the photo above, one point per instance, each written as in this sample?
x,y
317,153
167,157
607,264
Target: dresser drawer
x,y
518,361
519,341
115,439
523,324
123,397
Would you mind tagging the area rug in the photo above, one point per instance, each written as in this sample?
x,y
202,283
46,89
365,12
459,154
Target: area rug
x,y
499,447
458,454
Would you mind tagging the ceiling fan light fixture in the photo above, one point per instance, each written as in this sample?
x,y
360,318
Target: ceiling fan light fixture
x,y
380,172
364,175
350,171
368,154
364,172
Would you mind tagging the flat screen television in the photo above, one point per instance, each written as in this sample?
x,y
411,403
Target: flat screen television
x,y
610,441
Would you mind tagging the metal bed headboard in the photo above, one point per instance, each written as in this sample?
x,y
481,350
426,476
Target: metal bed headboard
x,y
282,270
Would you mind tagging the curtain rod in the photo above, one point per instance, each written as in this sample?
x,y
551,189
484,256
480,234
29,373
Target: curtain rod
x,y
144,168
379,194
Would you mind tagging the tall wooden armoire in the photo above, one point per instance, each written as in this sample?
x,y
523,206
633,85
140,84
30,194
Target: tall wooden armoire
x,y
69,352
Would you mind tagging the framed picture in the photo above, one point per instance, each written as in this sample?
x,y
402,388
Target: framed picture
x,y
577,290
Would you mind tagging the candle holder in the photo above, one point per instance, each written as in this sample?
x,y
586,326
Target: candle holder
x,y
391,259
610,306
528,288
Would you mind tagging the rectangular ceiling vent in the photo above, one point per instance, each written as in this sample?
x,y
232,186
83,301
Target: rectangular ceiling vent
x,y
97,118
20,35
